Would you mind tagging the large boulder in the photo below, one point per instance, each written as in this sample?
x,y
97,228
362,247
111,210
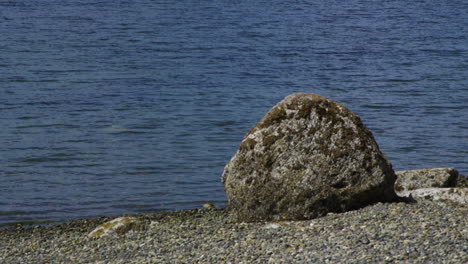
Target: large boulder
x,y
306,157
426,178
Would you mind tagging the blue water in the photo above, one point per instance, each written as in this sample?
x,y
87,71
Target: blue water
x,y
111,107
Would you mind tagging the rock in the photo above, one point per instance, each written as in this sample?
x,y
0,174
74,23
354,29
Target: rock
x,y
117,227
462,181
272,226
306,157
209,206
426,178
458,195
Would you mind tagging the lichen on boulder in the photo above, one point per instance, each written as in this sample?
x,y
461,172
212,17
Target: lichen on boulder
x,y
306,157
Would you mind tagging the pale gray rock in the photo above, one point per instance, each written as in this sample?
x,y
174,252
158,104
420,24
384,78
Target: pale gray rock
x,y
306,157
426,178
209,206
457,195
117,227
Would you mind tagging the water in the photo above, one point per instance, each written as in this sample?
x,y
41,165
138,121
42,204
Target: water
x,y
115,107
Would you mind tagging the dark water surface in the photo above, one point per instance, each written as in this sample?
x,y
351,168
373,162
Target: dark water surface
x,y
110,107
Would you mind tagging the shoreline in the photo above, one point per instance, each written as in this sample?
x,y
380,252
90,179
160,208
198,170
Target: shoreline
x,y
461,183
427,231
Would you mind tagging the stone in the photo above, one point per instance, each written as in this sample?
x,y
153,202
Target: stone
x,y
117,227
306,157
426,178
272,226
209,206
457,195
462,181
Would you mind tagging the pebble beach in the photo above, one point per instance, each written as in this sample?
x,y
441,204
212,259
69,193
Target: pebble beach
x,y
423,232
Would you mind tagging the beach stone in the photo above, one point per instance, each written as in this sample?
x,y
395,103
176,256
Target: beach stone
x,y
209,206
426,178
306,157
117,227
457,195
462,181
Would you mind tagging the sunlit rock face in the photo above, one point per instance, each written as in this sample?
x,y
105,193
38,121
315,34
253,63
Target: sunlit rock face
x,y
306,157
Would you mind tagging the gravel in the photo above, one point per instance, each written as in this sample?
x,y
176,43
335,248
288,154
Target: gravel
x,y
423,232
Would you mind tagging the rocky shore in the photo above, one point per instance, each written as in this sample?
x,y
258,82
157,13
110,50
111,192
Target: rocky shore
x,y
308,184
423,232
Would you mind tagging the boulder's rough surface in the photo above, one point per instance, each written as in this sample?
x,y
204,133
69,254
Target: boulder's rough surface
x,y
458,195
426,178
306,157
117,227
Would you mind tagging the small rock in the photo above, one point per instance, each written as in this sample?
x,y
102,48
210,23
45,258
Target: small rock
x,y
462,181
117,227
272,226
209,206
458,195
426,178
